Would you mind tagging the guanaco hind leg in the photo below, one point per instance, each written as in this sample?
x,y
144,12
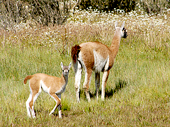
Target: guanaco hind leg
x,y
97,83
104,81
27,105
86,84
30,102
78,74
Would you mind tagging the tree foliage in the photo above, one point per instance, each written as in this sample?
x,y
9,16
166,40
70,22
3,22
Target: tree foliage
x,y
57,11
154,6
42,11
108,5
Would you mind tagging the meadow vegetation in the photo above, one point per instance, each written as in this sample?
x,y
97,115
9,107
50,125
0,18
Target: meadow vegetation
x,y
138,88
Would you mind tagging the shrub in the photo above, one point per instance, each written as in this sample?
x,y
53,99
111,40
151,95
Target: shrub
x,y
154,6
42,11
108,5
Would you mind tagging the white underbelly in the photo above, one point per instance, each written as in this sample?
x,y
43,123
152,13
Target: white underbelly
x,y
100,63
44,87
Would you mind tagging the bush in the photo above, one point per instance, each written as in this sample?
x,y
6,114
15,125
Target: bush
x,y
108,5
149,6
42,11
154,6
49,11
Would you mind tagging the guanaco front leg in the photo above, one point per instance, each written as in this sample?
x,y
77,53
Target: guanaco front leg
x,y
58,103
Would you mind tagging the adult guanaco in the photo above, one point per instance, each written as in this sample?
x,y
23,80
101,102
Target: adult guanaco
x,y
97,57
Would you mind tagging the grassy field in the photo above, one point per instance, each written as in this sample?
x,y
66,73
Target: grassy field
x,y
138,88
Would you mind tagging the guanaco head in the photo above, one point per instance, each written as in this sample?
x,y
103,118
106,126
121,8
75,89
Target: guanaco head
x,y
122,30
65,69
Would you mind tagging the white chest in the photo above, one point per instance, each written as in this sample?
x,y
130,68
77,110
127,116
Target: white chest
x,y
61,90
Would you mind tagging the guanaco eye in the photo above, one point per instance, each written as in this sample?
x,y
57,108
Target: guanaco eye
x,y
66,70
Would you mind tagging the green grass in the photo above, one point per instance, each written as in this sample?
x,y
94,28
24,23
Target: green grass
x,y
137,91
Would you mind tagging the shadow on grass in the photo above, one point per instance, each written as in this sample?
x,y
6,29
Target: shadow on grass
x,y
120,84
108,92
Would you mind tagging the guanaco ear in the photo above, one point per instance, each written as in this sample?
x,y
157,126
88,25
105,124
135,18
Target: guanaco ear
x,y
123,25
61,65
115,24
69,65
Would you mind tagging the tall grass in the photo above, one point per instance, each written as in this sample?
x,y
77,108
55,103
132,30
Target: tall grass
x,y
137,91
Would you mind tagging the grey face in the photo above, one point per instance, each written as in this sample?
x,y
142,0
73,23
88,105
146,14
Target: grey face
x,y
65,69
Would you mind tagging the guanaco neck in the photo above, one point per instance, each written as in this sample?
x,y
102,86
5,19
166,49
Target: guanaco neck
x,y
115,44
64,79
